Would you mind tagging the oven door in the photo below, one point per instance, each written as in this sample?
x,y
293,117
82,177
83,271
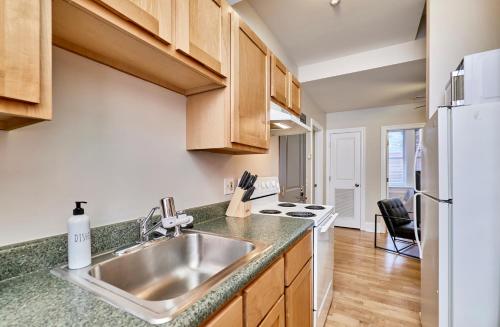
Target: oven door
x,y
323,269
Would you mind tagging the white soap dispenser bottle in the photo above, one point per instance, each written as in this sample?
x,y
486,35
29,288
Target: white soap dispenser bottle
x,y
78,238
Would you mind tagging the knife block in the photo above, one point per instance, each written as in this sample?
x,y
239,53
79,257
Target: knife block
x,y
238,208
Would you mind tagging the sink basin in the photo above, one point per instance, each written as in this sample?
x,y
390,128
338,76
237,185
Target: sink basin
x,y
161,278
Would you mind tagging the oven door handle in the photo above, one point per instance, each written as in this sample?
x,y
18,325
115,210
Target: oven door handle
x,y
325,226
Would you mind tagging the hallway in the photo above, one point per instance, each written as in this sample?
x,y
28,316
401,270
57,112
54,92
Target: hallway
x,y
372,287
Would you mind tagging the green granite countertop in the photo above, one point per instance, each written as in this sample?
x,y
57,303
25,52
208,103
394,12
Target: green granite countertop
x,y
41,299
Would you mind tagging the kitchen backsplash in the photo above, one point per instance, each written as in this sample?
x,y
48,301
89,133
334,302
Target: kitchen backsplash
x,y
26,257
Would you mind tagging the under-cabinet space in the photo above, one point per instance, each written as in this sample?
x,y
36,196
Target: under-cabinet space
x,y
132,36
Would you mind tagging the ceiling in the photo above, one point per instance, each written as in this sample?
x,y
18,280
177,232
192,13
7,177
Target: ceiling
x,y
313,30
385,86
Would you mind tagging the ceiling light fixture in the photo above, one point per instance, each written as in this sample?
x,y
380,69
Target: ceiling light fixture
x,y
333,3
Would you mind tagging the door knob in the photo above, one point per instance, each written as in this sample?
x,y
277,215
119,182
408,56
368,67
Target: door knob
x,y
356,185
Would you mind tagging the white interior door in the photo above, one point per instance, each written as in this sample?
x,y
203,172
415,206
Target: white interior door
x,y
345,178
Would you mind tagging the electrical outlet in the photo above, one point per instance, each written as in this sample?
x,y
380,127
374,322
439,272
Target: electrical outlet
x,y
229,185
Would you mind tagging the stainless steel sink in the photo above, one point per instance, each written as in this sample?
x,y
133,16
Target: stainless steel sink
x,y
158,280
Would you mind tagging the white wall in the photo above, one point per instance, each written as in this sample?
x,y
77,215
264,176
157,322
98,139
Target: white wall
x,y
115,141
456,28
373,119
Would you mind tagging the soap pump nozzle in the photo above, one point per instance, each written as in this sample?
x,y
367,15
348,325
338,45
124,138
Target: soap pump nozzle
x,y
79,210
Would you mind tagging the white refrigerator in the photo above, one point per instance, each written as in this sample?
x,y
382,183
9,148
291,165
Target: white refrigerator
x,y
460,200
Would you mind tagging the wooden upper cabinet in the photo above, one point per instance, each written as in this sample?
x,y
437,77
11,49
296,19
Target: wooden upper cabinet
x,y
279,81
294,99
25,62
134,36
201,26
155,16
20,50
250,91
234,119
299,299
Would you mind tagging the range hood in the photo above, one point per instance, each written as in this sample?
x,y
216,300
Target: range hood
x,y
284,123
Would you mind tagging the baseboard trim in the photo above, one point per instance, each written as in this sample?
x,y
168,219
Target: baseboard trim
x,y
369,226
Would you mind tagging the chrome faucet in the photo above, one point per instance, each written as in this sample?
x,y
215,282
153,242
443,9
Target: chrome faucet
x,y
169,219
144,231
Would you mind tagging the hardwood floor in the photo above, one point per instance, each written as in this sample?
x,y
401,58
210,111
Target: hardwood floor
x,y
372,287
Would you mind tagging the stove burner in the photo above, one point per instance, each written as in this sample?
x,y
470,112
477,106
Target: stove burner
x,y
314,207
286,204
270,212
302,214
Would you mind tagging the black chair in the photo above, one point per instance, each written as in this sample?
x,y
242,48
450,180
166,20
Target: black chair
x,y
400,226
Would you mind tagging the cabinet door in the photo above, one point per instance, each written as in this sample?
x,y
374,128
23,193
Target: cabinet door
x,y
20,50
230,316
294,99
298,299
279,81
250,87
275,317
155,16
202,32
263,293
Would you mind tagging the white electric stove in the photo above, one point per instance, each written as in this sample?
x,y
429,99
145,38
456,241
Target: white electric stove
x,y
265,200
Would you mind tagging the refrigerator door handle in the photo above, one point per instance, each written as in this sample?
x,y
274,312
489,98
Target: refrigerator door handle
x,y
415,224
414,169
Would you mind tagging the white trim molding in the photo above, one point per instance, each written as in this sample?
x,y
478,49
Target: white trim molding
x,y
317,175
362,131
383,152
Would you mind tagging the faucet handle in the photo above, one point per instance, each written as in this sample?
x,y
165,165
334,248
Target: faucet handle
x,y
149,215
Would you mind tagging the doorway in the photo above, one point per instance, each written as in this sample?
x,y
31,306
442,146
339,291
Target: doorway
x,y
292,173
400,165
317,165
346,175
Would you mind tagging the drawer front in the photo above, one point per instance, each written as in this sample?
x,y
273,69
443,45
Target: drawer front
x,y
297,257
275,317
262,294
231,315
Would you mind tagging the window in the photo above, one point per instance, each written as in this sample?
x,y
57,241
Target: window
x,y
396,158
418,138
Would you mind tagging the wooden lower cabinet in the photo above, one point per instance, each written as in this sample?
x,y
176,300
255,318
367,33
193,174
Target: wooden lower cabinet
x,y
275,317
266,302
263,293
297,257
230,316
298,299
